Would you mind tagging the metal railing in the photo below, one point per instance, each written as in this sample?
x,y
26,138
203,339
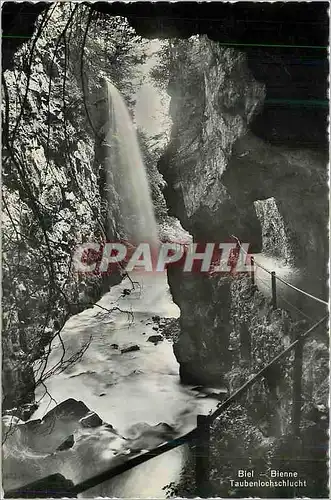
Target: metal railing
x,y
275,277
200,435
57,486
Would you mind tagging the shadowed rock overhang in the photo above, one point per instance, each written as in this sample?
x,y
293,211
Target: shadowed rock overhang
x,y
285,43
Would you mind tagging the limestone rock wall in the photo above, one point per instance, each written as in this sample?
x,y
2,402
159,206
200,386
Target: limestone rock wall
x,y
216,170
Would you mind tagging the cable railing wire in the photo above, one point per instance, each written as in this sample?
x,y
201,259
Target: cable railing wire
x,y
258,375
280,279
192,435
119,469
282,298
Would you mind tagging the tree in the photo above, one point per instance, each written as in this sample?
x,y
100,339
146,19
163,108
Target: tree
x,y
51,195
161,72
151,153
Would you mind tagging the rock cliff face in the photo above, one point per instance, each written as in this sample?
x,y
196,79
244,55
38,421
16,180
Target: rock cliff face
x,y
202,348
275,239
213,99
52,202
216,170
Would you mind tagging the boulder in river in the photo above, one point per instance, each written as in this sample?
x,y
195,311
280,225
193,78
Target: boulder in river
x,y
155,338
91,420
213,392
143,436
67,443
114,346
164,429
55,483
69,407
130,348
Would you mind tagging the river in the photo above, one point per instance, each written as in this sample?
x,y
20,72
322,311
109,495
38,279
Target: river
x,y
125,390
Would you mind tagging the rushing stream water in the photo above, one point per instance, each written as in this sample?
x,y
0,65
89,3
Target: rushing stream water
x,y
123,389
132,391
127,390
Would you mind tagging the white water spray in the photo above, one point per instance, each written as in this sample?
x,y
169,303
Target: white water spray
x,y
127,182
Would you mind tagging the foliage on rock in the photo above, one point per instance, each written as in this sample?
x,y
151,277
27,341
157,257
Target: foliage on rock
x,y
256,432
151,152
51,180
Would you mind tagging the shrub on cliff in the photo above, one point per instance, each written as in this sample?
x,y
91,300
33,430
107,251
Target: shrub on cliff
x,y
151,153
51,180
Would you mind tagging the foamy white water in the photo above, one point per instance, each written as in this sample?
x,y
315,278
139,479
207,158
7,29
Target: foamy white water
x,y
123,389
148,378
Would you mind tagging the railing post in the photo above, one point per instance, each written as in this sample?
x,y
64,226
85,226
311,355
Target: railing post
x,y
252,272
274,290
297,389
245,343
202,451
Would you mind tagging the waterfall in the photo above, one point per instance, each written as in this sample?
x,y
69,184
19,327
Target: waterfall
x,y
127,182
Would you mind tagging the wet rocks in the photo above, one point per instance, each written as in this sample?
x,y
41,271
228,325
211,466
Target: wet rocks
x,y
109,428
9,421
155,339
67,443
142,436
24,412
171,328
91,420
114,346
69,407
55,483
158,322
131,348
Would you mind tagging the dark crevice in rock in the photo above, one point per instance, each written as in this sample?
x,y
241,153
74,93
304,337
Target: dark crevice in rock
x,y
216,169
291,74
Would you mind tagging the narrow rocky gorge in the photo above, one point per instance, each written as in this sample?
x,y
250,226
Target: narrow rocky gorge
x,y
222,180
216,170
217,179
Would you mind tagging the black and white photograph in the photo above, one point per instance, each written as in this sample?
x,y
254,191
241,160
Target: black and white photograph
x,y
165,249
